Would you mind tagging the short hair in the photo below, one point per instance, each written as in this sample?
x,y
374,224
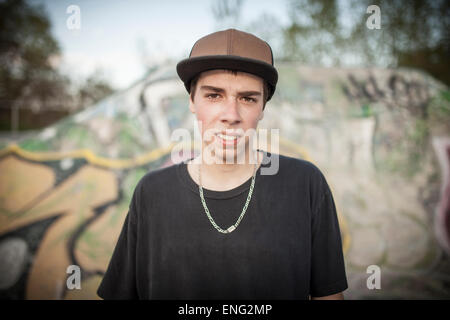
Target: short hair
x,y
193,86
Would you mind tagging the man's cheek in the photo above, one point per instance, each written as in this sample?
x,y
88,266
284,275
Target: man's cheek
x,y
209,135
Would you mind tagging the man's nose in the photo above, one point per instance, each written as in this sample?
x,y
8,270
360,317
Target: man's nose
x,y
230,111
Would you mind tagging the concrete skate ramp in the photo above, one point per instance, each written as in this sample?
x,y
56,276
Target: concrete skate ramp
x,y
65,191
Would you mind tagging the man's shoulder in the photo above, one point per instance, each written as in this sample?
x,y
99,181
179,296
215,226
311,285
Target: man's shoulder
x,y
154,184
292,165
301,173
158,178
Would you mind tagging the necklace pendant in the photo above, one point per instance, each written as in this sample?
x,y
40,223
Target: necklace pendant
x,y
231,229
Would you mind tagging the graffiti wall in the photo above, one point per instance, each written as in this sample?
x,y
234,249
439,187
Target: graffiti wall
x,y
379,136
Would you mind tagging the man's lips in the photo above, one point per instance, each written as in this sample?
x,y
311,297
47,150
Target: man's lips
x,y
228,139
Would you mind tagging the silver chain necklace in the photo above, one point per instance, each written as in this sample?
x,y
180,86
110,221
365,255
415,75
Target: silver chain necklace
x,y
235,225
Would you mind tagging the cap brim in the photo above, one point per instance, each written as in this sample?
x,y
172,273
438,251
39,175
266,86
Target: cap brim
x,y
187,69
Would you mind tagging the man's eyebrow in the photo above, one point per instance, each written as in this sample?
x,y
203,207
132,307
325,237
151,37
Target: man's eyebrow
x,y
250,93
211,88
242,93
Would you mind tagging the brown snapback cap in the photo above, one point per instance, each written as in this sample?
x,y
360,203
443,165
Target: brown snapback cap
x,y
233,50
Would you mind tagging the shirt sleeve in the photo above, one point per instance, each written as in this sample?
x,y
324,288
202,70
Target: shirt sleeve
x,y
327,260
119,281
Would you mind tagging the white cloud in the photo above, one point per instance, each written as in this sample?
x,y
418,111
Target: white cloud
x,y
120,68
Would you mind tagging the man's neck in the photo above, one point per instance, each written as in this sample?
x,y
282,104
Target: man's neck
x,y
223,176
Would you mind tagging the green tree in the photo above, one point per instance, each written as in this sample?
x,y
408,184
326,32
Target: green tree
x,y
314,35
329,32
29,77
93,89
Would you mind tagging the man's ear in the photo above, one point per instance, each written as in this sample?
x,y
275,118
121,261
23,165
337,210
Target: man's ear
x,y
191,104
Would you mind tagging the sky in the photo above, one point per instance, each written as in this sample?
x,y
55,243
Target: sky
x,y
114,34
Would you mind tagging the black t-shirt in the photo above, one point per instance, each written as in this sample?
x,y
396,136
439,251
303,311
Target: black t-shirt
x,y
287,246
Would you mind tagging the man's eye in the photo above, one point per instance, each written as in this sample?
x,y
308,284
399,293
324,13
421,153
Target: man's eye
x,y
248,99
212,95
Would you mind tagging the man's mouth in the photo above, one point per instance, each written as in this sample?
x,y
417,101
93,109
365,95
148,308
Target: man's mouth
x,y
227,140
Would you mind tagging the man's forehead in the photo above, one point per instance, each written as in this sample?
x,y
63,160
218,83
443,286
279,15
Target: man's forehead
x,y
221,75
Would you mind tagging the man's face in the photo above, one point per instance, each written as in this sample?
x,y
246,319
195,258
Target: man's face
x,y
227,105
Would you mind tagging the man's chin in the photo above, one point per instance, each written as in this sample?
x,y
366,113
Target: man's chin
x,y
218,154
229,156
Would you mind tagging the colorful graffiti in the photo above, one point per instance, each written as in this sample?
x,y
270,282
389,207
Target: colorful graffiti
x,y
82,207
442,220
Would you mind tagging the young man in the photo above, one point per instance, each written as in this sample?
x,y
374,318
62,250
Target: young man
x,y
215,227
